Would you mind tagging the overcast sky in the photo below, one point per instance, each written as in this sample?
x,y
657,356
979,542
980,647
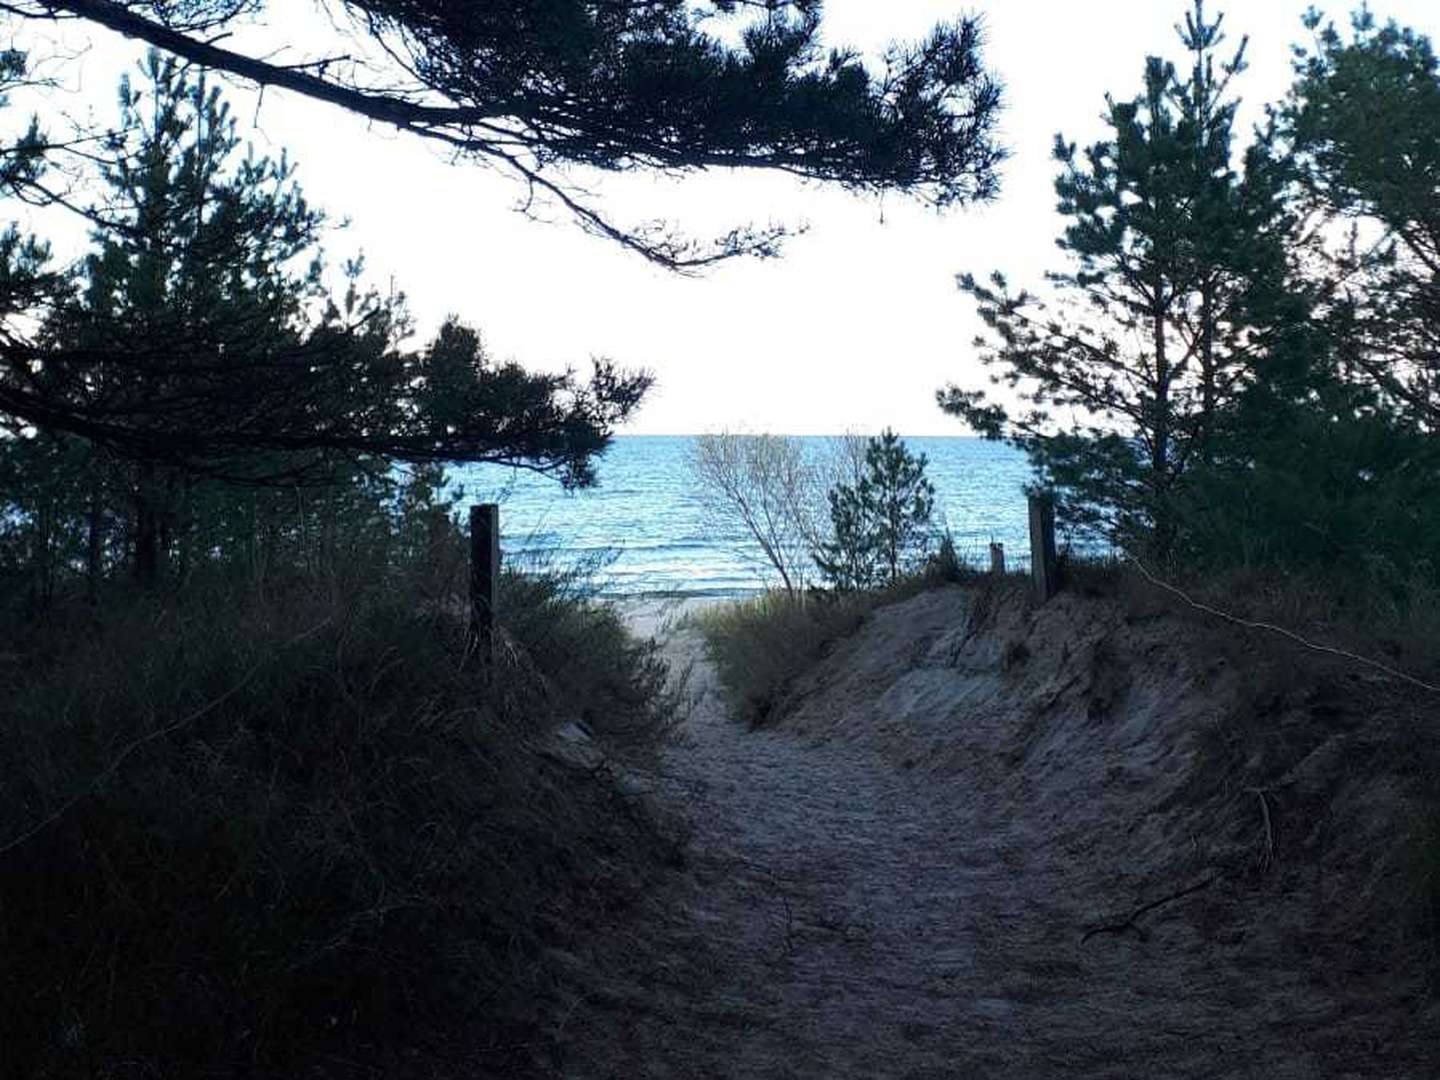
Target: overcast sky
x,y
860,322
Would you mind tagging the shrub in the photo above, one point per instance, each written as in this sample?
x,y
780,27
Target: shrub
x,y
945,566
759,645
578,647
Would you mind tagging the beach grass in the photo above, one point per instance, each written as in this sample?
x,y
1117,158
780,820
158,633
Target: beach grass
x,y
273,832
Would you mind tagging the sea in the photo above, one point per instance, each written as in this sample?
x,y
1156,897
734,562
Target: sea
x,y
643,531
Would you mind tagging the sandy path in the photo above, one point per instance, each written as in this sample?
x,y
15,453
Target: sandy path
x,y
841,917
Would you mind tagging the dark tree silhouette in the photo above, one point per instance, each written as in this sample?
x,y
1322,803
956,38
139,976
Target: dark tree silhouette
x,y
198,337
532,87
1178,266
1364,121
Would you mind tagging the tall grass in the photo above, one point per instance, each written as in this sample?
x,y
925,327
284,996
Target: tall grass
x,y
303,832
760,644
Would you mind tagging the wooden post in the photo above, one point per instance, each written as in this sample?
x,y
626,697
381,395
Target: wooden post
x,y
997,560
1043,569
484,577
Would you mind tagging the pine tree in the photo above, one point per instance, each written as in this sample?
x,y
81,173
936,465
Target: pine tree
x,y
1364,121
210,277
1330,458
881,525
848,561
198,344
1174,295
201,337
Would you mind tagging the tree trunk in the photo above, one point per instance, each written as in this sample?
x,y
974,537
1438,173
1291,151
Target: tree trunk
x,y
1207,372
183,524
1163,536
42,587
147,529
94,544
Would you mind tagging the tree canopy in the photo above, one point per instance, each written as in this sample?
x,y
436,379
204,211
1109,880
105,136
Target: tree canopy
x,y
1175,289
1238,365
199,334
1364,122
665,85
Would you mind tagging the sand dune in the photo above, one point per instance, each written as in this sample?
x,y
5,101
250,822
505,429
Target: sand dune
x,y
929,867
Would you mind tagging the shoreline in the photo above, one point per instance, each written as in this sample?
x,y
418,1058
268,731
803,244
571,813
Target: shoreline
x,y
655,615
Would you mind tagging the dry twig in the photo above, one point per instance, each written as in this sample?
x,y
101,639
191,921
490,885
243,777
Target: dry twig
x,y
1250,624
1129,922
1267,859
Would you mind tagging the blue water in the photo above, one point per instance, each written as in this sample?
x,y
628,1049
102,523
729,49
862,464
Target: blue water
x,y
645,523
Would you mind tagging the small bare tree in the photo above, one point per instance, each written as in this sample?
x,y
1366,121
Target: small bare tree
x,y
773,487
844,461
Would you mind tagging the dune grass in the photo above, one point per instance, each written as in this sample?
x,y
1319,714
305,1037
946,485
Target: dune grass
x,y
302,832
760,644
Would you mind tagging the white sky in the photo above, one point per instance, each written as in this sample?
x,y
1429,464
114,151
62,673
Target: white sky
x,y
854,328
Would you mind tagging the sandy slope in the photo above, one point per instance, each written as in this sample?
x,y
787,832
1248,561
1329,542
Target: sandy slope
x,y
896,881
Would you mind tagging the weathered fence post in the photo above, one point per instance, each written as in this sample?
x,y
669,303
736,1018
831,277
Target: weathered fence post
x,y
484,577
1043,568
997,560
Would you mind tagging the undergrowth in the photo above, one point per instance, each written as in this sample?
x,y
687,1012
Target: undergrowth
x,y
1421,868
304,832
760,644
